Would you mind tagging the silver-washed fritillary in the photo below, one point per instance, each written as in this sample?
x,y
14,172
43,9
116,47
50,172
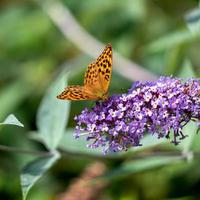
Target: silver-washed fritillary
x,y
96,81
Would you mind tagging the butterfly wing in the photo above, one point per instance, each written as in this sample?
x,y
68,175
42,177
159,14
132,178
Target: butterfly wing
x,y
104,67
91,77
98,75
76,92
96,81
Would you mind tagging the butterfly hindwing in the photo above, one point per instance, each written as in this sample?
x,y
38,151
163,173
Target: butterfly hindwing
x,y
76,92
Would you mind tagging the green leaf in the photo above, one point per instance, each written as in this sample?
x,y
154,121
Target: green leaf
x,y
79,146
12,95
34,170
170,40
149,141
53,115
174,59
190,130
142,165
12,120
137,11
187,70
193,21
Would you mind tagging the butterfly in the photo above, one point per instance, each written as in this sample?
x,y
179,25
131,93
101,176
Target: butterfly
x,y
96,80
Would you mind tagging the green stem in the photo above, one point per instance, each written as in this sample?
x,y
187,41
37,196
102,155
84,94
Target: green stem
x,y
18,150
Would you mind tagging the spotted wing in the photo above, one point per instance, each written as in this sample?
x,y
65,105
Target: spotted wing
x,y
76,92
91,77
104,65
98,74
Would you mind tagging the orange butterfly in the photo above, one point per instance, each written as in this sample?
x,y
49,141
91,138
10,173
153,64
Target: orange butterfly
x,y
96,81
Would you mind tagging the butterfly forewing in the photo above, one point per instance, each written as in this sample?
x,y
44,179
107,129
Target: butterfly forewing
x,y
104,63
98,74
91,76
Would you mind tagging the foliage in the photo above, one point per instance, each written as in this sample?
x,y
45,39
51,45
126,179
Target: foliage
x,y
161,36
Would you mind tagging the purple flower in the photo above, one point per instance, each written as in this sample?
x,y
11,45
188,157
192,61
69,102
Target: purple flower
x,y
156,108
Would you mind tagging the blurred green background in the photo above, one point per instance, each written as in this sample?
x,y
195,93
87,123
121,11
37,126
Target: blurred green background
x,y
33,52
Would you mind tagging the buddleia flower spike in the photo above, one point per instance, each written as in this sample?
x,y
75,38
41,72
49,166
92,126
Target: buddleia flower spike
x,y
155,108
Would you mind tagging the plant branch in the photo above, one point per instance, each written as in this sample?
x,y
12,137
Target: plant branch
x,y
72,30
18,150
181,155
